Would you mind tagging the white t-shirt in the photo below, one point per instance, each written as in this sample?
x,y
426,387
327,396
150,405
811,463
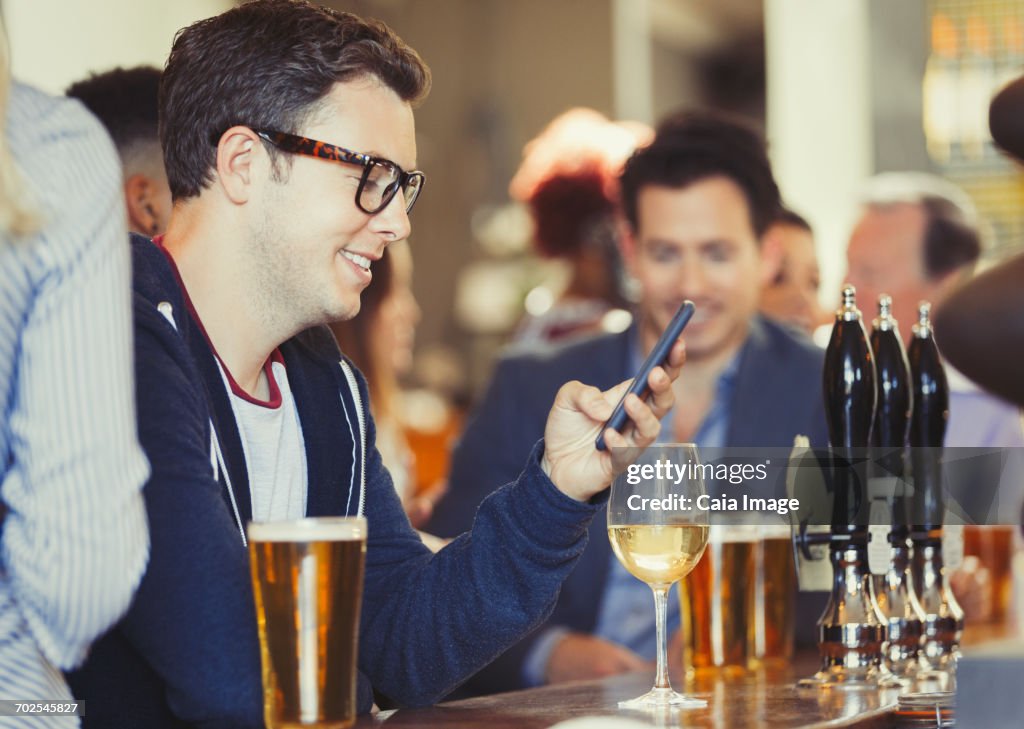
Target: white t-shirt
x,y
275,453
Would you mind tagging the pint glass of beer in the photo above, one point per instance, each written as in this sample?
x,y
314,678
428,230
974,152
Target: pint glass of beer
x,y
307,577
994,548
716,601
774,597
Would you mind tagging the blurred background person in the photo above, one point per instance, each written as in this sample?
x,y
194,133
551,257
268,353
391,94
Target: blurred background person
x,y
697,202
568,181
125,100
917,239
74,539
380,341
790,295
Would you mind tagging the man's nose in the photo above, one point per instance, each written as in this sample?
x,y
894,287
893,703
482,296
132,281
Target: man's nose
x,y
393,221
692,283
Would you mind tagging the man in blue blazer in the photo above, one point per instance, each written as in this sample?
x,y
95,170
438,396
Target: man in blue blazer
x,y
696,202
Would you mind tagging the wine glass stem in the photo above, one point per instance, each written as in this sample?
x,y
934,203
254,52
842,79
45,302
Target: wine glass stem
x,y
660,607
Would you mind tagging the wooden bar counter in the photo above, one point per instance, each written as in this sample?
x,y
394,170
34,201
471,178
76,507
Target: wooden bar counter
x,y
764,699
758,700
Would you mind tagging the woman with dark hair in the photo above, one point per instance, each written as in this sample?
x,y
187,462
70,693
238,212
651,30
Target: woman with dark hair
x,y
569,181
790,294
380,341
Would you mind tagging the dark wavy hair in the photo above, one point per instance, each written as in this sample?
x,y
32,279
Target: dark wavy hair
x,y
567,207
268,64
690,147
793,219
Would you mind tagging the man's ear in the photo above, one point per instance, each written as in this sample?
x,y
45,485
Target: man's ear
x,y
236,160
139,194
772,256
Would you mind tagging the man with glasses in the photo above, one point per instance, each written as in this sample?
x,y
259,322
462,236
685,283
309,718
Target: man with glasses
x,y
289,144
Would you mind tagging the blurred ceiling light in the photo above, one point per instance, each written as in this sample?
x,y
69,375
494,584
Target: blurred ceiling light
x,y
697,27
502,230
539,301
488,296
616,320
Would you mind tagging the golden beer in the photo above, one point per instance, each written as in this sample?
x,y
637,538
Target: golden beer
x,y
717,604
775,600
993,546
308,581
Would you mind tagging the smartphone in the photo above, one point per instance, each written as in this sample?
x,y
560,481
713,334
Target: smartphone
x,y
658,356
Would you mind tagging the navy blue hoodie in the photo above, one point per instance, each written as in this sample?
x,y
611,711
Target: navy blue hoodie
x,y
187,654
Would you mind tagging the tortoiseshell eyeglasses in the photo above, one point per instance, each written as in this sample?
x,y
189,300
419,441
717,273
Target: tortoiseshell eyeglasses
x,y
381,178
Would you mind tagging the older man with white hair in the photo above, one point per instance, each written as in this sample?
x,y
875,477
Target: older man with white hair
x,y
918,239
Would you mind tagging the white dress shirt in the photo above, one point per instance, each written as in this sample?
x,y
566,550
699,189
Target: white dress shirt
x,y
74,540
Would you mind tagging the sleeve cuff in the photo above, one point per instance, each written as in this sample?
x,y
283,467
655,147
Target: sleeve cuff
x,y
543,512
537,455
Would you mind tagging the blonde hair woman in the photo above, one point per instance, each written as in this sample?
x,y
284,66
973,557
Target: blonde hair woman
x,y
16,218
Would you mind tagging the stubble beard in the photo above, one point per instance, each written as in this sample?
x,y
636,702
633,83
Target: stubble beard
x,y
283,303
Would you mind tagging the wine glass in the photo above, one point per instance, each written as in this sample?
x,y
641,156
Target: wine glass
x,y
658,532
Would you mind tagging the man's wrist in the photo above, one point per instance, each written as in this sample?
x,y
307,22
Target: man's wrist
x,y
545,464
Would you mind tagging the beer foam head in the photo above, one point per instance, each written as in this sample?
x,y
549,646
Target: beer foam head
x,y
312,529
733,533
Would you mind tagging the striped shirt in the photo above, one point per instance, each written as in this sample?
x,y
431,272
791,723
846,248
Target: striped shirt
x,y
74,540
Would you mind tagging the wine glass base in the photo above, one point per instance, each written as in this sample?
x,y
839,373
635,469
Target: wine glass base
x,y
663,697
859,679
935,680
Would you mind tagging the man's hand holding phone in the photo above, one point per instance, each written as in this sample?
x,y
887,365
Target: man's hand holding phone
x,y
581,414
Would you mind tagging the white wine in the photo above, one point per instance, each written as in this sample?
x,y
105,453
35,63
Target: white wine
x,y
658,554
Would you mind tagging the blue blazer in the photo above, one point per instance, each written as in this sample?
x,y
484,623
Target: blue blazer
x,y
777,395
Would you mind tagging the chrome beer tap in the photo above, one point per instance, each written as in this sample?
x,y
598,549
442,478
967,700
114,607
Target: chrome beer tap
x,y
894,591
943,617
852,630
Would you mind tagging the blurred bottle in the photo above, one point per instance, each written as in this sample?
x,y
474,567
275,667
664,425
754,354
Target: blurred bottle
x,y
977,86
941,115
1011,55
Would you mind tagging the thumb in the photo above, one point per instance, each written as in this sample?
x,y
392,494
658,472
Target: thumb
x,y
585,399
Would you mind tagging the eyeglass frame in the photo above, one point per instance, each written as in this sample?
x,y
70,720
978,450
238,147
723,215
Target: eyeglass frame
x,y
307,147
